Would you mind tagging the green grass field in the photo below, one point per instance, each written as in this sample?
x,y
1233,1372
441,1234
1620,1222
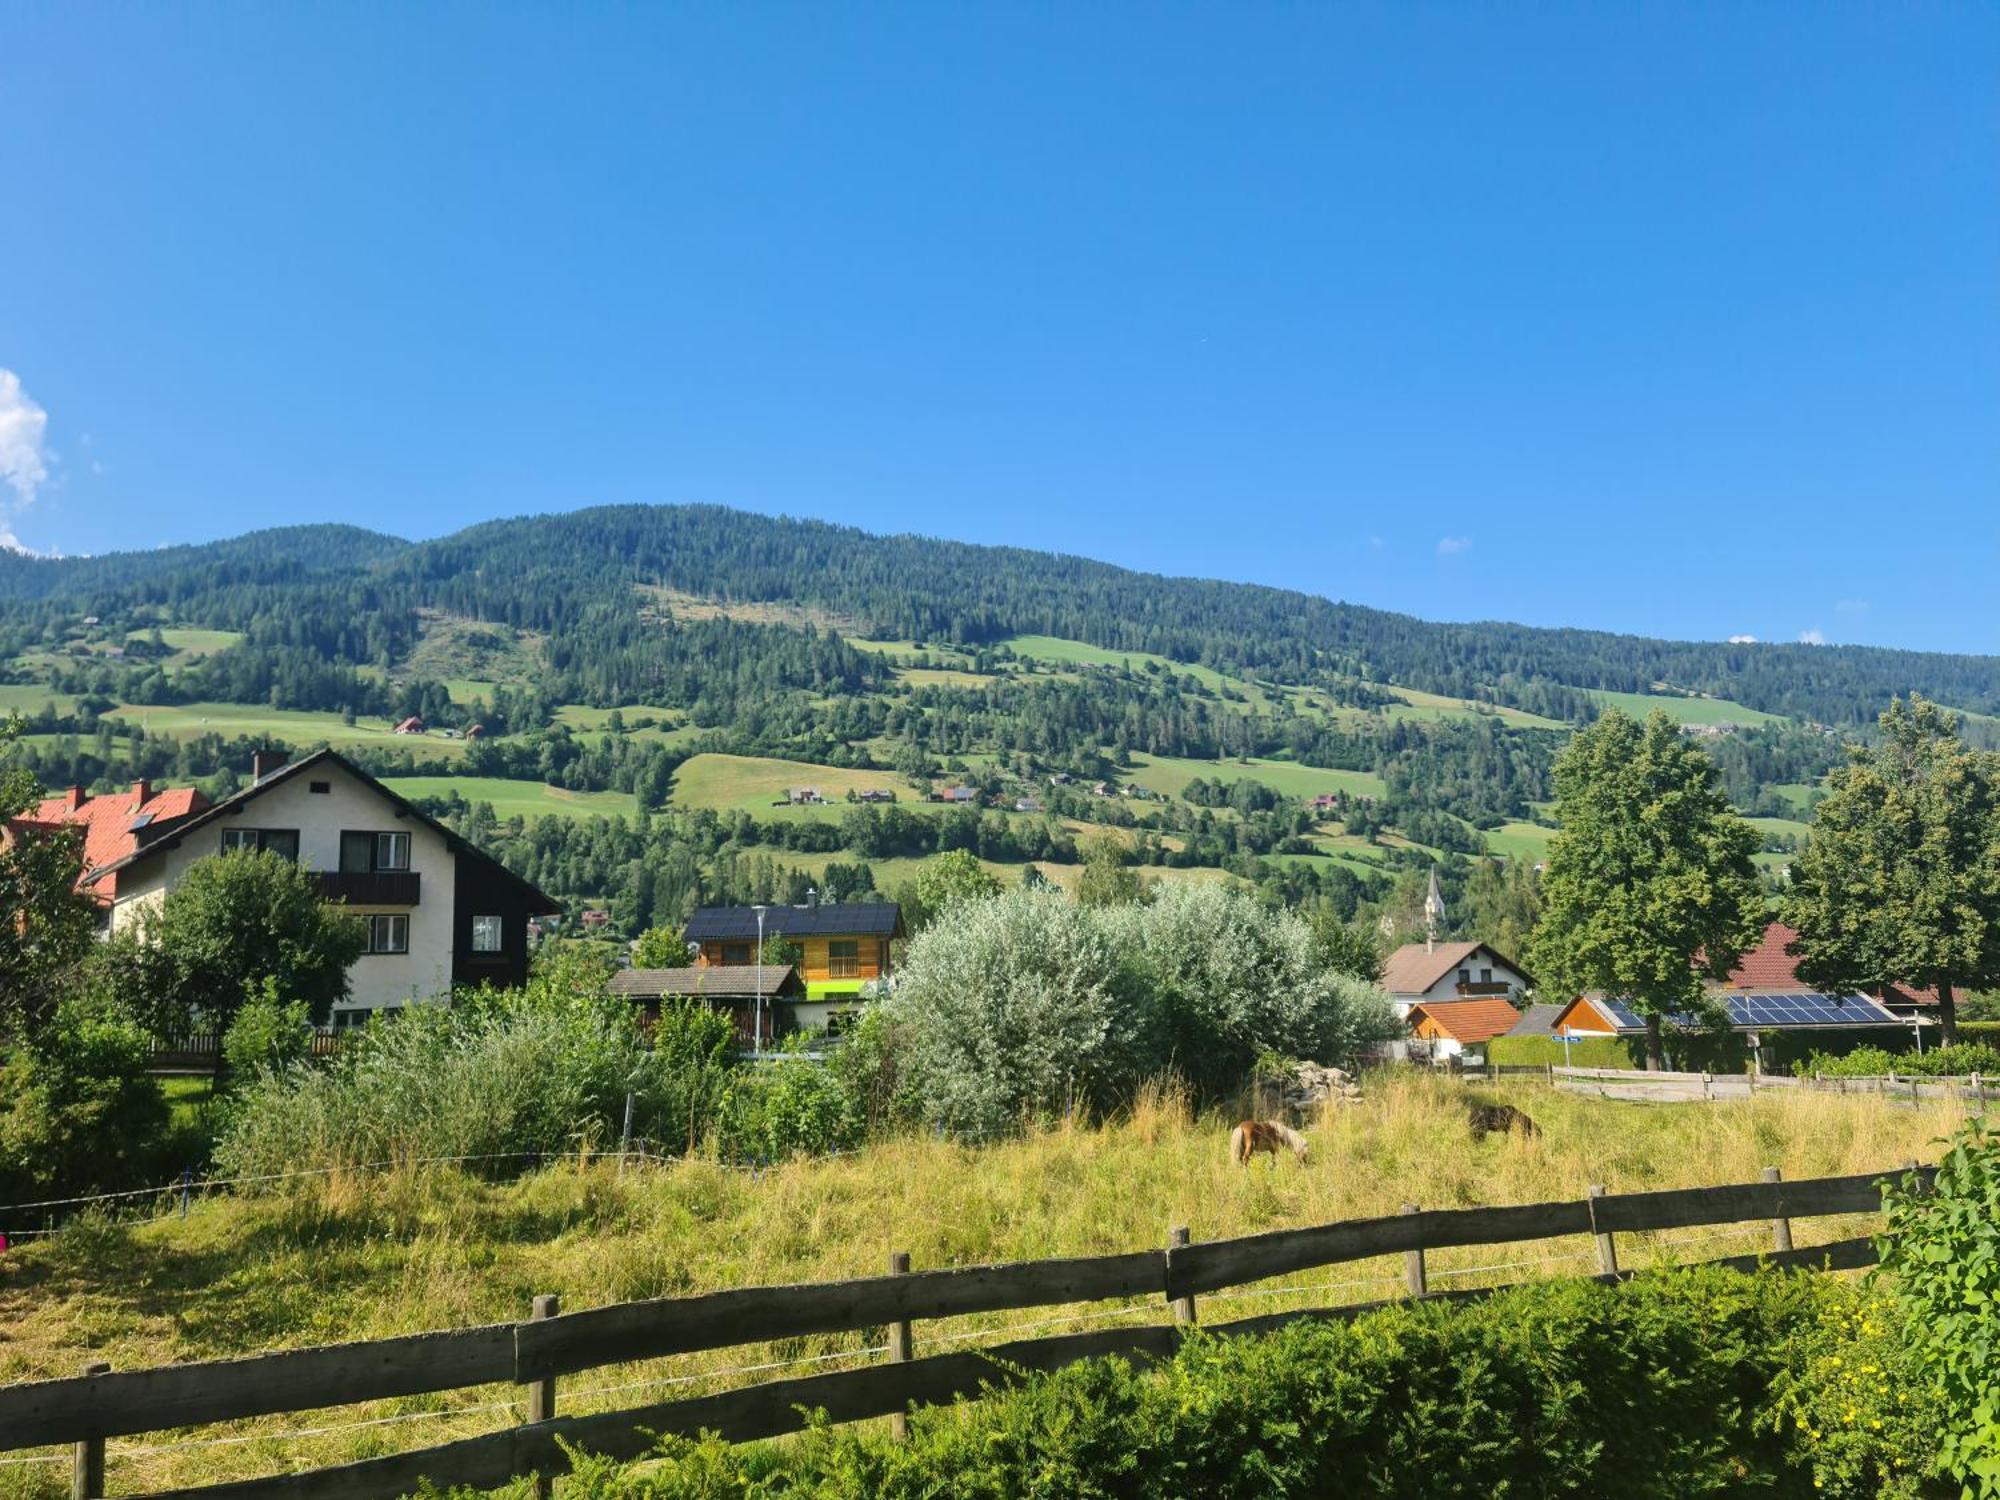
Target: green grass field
x,y
1687,710
936,652
942,677
1791,826
188,721
1800,794
1054,649
754,782
527,799
1169,774
1529,841
189,643
32,697
1420,705
359,1256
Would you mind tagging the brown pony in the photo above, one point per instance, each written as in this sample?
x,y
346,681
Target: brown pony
x,y
1501,1119
1252,1136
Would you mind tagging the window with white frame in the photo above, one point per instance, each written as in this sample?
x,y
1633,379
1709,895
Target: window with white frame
x,y
392,851
486,934
388,933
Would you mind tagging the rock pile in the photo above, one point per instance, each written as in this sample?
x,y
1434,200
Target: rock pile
x,y
1311,1085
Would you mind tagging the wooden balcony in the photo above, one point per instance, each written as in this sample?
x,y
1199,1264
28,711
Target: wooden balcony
x,y
1497,987
377,888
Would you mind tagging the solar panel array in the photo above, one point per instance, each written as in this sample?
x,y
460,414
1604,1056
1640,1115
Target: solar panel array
x,y
1774,1012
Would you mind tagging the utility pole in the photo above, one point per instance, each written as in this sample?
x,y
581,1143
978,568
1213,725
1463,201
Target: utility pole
x,y
757,1023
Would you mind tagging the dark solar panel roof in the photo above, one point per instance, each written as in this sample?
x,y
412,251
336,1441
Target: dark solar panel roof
x,y
832,919
1790,1010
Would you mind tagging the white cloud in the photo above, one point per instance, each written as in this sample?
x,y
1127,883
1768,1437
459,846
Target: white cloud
x,y
1743,640
1449,546
24,460
1812,637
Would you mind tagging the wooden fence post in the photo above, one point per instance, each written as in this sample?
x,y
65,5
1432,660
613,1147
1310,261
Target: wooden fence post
x,y
1978,1095
1707,1084
542,1393
1781,1226
86,1466
899,1343
1177,1239
1607,1247
1413,1265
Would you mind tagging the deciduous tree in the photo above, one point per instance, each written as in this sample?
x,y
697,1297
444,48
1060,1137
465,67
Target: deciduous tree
x,y
1649,887
1900,881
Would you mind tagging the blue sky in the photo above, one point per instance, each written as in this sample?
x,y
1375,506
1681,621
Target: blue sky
x,y
1682,320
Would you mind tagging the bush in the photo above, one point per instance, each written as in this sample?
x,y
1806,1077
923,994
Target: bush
x,y
268,1035
1224,979
1660,1388
1029,1005
1019,1005
1942,1250
789,1106
1873,1062
81,1113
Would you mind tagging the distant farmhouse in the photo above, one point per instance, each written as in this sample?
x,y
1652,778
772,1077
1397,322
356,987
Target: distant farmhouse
x,y
439,913
845,948
1418,972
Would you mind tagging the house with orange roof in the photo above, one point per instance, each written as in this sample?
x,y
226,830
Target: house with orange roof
x,y
114,825
1451,1026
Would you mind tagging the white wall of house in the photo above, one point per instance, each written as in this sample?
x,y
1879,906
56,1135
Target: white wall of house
x,y
348,804
1484,967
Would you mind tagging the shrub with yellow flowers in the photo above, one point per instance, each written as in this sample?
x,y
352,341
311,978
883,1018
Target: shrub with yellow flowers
x,y
1854,1402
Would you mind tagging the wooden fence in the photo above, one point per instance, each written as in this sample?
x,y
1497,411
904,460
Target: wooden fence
x,y
1636,1084
200,1051
536,1353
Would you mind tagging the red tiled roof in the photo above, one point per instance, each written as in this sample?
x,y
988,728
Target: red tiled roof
x,y
107,821
1769,967
1466,1021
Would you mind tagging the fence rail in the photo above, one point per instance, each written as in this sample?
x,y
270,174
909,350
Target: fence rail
x,y
87,1409
203,1049
1637,1084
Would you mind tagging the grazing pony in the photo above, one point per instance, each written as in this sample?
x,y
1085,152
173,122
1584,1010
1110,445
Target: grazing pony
x,y
1252,1136
1502,1119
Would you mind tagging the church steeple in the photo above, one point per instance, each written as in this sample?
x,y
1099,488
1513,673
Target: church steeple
x,y
1433,913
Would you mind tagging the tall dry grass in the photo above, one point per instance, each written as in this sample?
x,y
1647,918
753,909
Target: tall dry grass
x,y
367,1255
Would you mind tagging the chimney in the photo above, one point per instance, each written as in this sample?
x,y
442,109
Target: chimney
x,y
76,797
142,793
812,898
264,762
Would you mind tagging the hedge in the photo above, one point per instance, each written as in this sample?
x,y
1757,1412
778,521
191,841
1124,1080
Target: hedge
x,y
1595,1052
1677,1384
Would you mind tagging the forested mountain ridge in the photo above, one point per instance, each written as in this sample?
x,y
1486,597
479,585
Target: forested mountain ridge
x,y
576,578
